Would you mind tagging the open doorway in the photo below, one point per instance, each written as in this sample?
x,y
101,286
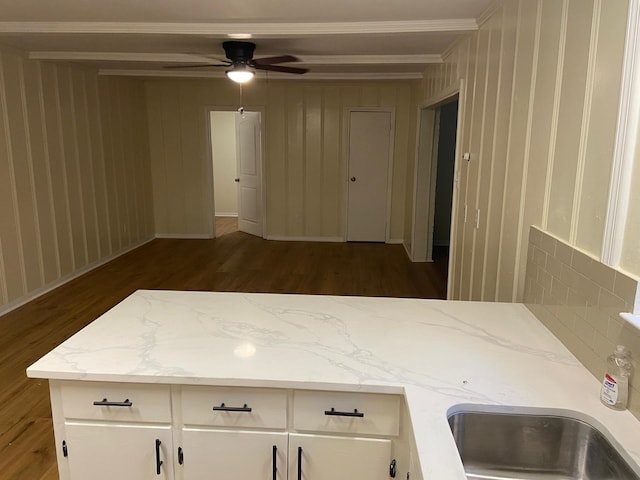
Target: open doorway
x,y
446,156
236,155
223,155
434,182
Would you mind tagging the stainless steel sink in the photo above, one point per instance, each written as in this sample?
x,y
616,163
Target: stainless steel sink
x,y
501,446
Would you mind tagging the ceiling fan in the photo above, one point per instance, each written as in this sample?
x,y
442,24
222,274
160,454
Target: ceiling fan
x,y
240,59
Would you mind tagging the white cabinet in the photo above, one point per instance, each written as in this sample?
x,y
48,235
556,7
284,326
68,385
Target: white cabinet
x,y
230,433
344,454
321,457
107,431
233,455
126,452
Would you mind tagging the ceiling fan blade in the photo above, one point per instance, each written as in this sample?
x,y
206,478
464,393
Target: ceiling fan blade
x,y
279,59
196,65
280,68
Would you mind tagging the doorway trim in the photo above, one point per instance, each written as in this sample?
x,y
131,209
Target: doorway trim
x,y
345,164
424,177
211,193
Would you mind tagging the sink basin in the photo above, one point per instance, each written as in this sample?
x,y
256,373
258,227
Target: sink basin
x,y
510,446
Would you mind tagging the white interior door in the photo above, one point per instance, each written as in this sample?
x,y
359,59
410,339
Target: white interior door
x,y
368,172
249,157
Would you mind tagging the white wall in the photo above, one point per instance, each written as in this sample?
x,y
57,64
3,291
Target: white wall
x,y
223,144
542,90
75,183
304,163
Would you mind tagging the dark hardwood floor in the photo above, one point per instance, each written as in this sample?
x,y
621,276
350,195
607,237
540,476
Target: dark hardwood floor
x,y
234,261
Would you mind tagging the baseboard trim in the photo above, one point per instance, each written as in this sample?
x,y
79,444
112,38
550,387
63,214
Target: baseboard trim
x,y
225,214
17,303
185,236
406,249
284,238
396,241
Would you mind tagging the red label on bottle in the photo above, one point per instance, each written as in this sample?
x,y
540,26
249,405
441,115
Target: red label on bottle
x,y
610,378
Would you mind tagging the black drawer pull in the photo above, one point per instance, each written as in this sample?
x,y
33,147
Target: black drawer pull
x,y
355,413
299,463
106,403
158,461
224,408
274,464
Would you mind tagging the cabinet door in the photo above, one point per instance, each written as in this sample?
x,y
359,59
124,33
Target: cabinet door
x,y
233,455
125,452
338,458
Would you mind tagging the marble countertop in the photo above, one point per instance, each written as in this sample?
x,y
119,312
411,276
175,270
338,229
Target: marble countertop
x,y
441,355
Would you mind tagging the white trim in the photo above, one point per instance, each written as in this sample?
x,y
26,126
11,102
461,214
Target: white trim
x,y
518,289
3,277
395,241
123,72
488,14
442,96
555,113
626,142
204,59
185,236
368,59
285,238
456,188
586,121
67,278
254,29
226,214
226,108
407,251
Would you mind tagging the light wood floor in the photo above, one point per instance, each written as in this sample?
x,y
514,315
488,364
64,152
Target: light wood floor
x,y
234,261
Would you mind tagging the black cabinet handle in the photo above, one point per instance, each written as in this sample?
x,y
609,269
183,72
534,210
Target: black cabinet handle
x,y
106,403
275,462
224,408
180,455
158,461
299,463
355,413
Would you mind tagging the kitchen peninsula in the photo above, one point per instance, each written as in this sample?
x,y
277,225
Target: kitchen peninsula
x,y
406,363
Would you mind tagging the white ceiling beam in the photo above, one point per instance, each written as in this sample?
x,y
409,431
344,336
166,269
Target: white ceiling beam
x,y
247,29
191,58
272,75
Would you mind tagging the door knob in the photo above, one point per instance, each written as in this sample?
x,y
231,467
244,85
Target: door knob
x,y
353,179
237,180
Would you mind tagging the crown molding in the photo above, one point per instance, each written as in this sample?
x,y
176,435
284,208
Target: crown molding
x,y
262,76
369,59
120,57
247,29
191,58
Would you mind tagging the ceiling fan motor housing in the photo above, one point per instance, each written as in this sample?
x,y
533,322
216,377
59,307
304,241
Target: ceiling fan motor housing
x,y
239,52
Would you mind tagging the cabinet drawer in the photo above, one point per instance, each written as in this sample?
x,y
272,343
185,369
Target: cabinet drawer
x,y
234,407
361,413
128,402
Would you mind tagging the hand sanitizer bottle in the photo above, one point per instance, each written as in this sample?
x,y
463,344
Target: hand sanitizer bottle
x,y
615,385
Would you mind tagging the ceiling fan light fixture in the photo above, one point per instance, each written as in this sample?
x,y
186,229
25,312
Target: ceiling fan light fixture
x,y
240,74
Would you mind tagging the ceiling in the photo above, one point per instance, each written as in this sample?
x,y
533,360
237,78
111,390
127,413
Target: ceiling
x,y
332,38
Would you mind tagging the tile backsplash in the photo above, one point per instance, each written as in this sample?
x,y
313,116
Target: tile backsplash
x,y
579,299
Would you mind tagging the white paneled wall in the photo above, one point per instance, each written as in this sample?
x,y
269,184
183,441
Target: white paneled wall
x,y
74,173
304,164
542,90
